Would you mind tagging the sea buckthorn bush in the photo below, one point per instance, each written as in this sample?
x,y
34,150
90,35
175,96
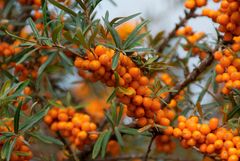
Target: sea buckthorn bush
x,y
75,87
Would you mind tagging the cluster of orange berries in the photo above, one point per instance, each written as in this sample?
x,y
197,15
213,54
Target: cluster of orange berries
x,y
192,4
75,126
21,152
140,104
164,144
227,70
9,49
192,38
209,139
23,72
227,16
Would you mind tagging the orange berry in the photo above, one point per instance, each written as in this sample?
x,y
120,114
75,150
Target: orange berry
x,y
225,61
218,144
143,80
181,118
63,117
204,129
219,69
141,122
177,132
147,102
218,55
210,148
82,135
186,134
223,19
139,112
137,100
213,123
196,135
224,155
211,138
94,65
164,121
233,158
190,4
134,72
48,119
168,130
203,148
100,50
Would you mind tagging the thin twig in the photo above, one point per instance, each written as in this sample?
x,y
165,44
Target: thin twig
x,y
149,148
183,21
192,76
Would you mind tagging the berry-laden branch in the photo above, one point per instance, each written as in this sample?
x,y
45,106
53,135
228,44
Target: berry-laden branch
x,y
188,15
192,76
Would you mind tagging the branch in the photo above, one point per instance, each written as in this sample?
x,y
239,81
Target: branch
x,y
183,21
149,148
192,76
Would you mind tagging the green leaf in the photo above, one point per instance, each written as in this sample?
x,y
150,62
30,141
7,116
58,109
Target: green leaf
x,y
45,16
126,91
17,117
5,148
132,131
125,19
62,7
81,4
105,142
109,118
135,42
49,60
203,92
65,59
129,41
33,27
46,139
115,60
10,149
113,32
81,38
27,54
33,120
114,112
5,86
139,50
57,32
112,96
119,136
235,110
120,113
53,103
98,145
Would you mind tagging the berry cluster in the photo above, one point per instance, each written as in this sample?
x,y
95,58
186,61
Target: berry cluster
x,y
9,49
192,4
227,70
208,138
138,98
164,144
192,38
227,16
20,151
75,126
